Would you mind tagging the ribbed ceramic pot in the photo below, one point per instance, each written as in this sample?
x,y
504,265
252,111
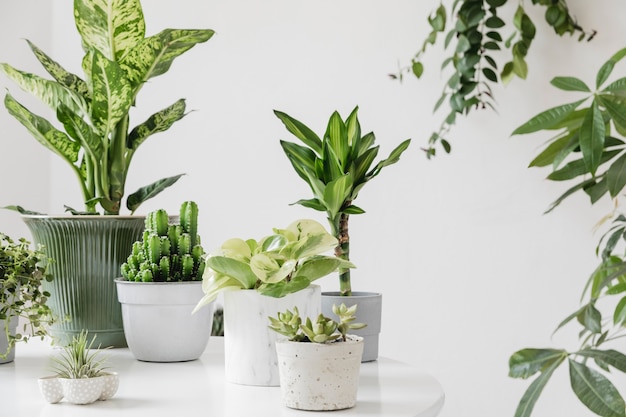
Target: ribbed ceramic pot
x,y
369,311
249,345
88,252
4,342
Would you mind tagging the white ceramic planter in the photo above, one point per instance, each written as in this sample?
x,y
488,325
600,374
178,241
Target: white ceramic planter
x,y
4,342
79,391
369,311
158,323
249,345
319,376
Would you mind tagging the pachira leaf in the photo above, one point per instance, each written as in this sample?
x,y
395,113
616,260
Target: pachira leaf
x,y
51,93
158,122
619,315
592,133
549,154
530,397
617,88
43,131
616,176
269,270
112,93
145,193
313,203
590,318
547,118
394,157
569,192
301,131
233,268
570,84
63,77
336,193
578,167
610,357
154,55
596,391
527,362
607,67
110,26
336,137
616,109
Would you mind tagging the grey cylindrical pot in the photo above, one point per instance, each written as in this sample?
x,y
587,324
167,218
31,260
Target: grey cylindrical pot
x,y
88,252
369,311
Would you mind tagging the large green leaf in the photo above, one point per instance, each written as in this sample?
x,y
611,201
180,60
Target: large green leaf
x,y
301,131
548,155
110,26
527,362
610,357
616,176
337,137
269,270
592,134
578,167
233,268
112,93
332,165
607,67
158,122
547,118
78,129
617,87
530,397
336,193
145,193
393,157
591,318
299,154
616,109
596,391
569,84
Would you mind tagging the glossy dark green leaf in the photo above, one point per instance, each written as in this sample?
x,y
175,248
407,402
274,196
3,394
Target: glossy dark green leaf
x,y
616,109
578,167
619,315
547,118
352,209
610,357
527,362
596,191
618,86
145,193
592,134
494,22
591,319
616,176
569,84
491,61
494,35
607,67
530,397
547,156
490,75
457,103
596,391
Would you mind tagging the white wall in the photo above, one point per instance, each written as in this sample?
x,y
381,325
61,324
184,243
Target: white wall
x,y
458,245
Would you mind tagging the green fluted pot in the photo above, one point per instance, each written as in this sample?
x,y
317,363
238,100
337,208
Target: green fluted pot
x,y
87,252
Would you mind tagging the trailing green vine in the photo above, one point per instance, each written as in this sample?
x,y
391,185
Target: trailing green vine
x,y
476,34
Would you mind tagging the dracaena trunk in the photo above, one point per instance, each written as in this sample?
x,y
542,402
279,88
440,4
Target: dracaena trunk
x,y
343,251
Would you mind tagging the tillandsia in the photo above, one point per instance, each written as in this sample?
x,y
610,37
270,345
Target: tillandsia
x,y
336,167
168,252
322,330
79,359
22,272
282,263
94,135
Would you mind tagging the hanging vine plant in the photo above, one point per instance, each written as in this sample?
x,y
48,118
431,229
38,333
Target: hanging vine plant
x,y
476,33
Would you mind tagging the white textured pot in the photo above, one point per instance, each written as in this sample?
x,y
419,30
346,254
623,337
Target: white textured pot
x,y
319,376
158,323
249,345
79,391
82,390
369,311
4,341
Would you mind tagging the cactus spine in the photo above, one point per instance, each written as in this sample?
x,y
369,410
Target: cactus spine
x,y
167,252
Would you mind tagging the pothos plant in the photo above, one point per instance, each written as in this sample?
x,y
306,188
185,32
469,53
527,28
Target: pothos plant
x,y
22,272
93,134
476,34
336,166
588,144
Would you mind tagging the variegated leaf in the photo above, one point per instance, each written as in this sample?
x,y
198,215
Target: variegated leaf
x,y
110,26
158,122
81,131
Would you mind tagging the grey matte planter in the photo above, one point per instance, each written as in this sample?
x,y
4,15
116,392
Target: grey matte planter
x,y
369,311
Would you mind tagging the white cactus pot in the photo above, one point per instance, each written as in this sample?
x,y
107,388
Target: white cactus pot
x,y
158,323
79,391
319,376
249,345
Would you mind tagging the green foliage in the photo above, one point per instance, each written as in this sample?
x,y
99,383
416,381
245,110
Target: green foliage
x,y
76,361
322,330
167,252
282,263
476,35
93,133
22,272
336,167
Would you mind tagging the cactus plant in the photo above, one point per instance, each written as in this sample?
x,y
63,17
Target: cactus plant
x,y
167,252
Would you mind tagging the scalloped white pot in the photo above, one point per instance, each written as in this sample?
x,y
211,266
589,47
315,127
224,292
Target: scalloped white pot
x,y
319,376
158,323
79,391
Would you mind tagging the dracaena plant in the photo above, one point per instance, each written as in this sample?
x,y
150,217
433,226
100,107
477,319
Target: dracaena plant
x,y
93,133
282,263
336,167
322,330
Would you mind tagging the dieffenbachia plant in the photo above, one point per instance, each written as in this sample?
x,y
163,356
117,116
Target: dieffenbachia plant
x,y
336,167
588,144
282,263
95,136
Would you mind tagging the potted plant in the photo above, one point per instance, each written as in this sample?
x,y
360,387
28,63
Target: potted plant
x,y
80,374
336,167
318,362
160,286
258,278
94,135
22,272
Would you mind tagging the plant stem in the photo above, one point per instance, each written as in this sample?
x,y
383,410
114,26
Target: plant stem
x,y
343,251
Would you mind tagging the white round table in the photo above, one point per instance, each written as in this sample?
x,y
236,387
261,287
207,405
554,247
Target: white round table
x,y
197,388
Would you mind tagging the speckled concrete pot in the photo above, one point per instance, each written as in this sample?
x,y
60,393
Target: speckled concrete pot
x,y
317,376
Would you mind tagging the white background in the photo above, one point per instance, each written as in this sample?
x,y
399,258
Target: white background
x,y
470,268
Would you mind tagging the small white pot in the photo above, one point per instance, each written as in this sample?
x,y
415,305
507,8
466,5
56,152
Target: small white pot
x,y
249,345
79,391
158,323
319,376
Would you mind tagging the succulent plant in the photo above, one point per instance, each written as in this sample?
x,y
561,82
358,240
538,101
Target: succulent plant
x,y
77,362
322,330
167,252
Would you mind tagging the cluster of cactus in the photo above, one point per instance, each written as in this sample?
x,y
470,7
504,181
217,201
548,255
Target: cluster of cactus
x,y
322,330
168,252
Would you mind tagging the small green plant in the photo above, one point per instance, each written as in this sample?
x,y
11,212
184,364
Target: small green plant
x,y
322,330
282,263
168,252
77,362
22,271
